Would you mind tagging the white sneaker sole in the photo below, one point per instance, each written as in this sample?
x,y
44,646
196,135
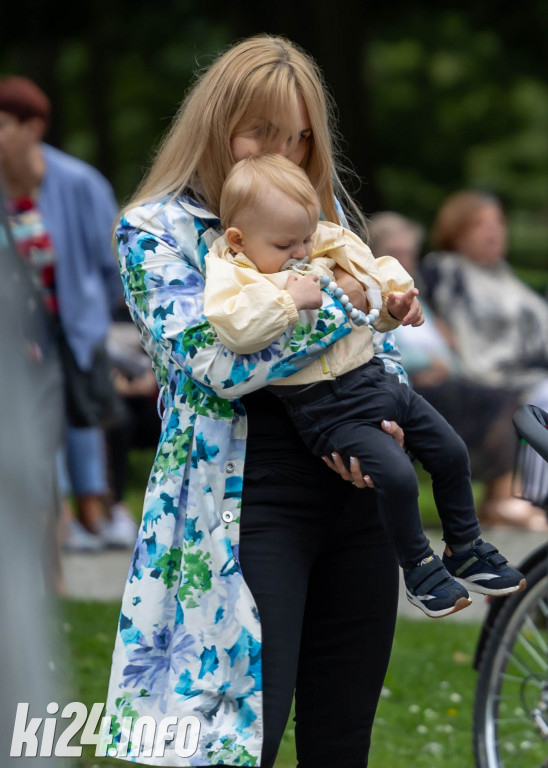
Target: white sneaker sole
x,y
461,603
472,586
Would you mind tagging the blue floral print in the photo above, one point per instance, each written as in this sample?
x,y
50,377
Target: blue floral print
x,y
189,636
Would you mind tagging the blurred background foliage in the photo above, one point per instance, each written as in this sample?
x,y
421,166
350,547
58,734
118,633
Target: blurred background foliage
x,y
431,96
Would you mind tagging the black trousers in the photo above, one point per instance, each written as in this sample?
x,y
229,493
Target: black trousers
x,y
324,576
345,416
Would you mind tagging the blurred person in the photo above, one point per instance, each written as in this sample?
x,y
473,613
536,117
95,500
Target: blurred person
x,y
140,425
499,324
480,413
62,211
31,414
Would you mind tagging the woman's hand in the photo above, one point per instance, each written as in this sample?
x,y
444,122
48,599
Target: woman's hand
x,y
406,307
352,287
354,472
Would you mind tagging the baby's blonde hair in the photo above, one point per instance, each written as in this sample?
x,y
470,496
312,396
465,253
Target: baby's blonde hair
x,y
260,77
250,181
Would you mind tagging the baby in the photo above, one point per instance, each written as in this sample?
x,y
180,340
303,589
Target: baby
x,y
270,212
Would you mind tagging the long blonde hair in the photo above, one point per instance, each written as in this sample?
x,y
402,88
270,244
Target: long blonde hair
x,y
262,76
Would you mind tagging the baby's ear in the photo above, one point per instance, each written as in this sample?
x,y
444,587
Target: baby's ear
x,y
235,239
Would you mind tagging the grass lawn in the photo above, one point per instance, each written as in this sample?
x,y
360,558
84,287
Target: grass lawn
x,y
424,717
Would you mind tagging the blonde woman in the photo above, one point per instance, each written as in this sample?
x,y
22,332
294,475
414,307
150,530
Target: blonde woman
x,y
242,589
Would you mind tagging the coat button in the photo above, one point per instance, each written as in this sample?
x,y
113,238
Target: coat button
x,y
227,516
230,467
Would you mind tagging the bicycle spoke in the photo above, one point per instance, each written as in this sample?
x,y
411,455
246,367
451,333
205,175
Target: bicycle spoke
x,y
534,630
518,680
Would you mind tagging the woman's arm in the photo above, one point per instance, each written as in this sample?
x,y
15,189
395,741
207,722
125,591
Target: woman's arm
x,y
164,288
248,310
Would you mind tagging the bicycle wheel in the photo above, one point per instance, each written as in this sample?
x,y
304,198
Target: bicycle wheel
x,y
511,703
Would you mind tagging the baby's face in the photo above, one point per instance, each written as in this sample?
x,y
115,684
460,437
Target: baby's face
x,y
276,230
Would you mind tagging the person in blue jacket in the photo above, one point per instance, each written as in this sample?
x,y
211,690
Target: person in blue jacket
x,y
62,211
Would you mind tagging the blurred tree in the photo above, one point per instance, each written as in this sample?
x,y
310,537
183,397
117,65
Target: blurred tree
x,y
433,98
448,117
430,97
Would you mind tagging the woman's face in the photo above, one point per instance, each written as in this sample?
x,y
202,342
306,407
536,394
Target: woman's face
x,y
484,241
250,137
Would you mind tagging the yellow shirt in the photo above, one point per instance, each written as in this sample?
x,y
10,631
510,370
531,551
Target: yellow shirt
x,y
249,309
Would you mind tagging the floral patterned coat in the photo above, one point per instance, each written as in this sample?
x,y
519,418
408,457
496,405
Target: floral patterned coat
x,y
189,635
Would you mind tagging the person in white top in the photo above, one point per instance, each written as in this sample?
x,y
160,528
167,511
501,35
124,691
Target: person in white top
x,y
499,324
480,412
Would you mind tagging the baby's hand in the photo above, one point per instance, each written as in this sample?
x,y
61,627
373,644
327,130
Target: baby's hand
x,y
305,291
405,307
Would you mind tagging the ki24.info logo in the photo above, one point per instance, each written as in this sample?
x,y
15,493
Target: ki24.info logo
x,y
139,737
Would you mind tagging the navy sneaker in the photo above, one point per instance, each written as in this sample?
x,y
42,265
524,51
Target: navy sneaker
x,y
431,588
483,569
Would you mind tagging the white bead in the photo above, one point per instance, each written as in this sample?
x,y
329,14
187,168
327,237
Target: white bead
x,y
354,313
332,286
344,299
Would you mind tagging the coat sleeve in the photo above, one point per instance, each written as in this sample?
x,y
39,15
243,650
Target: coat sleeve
x,y
379,277
246,308
164,289
394,279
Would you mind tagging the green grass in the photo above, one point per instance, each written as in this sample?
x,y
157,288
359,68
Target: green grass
x,y
425,717
425,713
88,630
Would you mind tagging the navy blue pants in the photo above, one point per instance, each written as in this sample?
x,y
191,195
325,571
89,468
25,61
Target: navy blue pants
x,y
345,415
325,580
